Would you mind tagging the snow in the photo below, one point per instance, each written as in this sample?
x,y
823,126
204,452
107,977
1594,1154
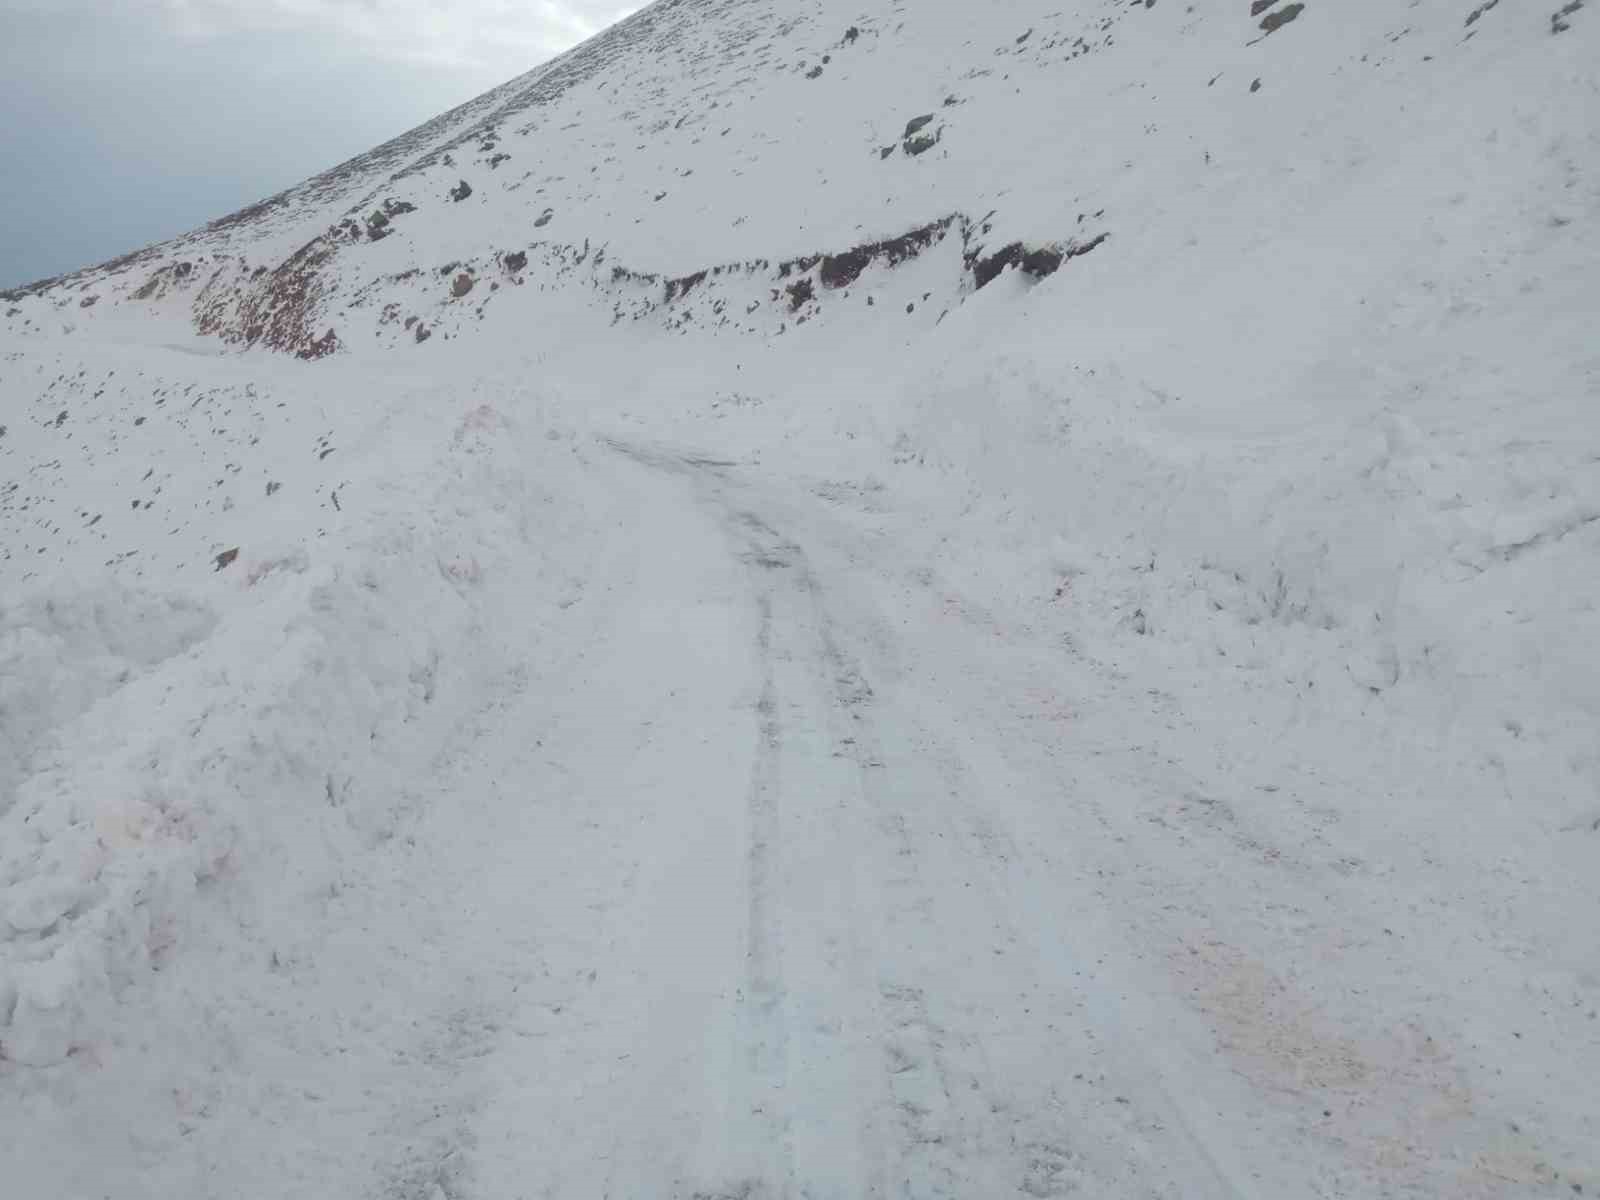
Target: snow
x,y
1123,733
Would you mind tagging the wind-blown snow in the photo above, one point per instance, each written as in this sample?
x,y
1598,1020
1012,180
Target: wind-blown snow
x,y
778,647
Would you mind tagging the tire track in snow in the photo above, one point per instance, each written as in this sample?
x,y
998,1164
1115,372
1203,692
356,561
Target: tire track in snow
x,y
929,973
916,1080
937,1127
759,1157
922,1117
964,815
809,1030
838,1132
1002,1065
763,1025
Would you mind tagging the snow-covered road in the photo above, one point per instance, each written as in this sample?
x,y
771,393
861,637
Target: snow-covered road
x,y
863,889
619,819
786,907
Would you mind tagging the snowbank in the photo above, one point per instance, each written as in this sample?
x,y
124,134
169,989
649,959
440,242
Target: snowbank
x,y
255,730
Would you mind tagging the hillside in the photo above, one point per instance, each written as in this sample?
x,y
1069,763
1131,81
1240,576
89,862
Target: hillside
x,y
817,601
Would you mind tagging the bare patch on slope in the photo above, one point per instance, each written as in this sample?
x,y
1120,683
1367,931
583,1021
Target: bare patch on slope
x,y
276,309
841,270
296,307
1035,261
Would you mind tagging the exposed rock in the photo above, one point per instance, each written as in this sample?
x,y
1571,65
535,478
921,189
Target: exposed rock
x,y
841,270
1038,262
984,270
543,218
1276,20
320,348
462,285
226,557
916,138
802,264
1046,260
677,288
278,308
515,262
461,191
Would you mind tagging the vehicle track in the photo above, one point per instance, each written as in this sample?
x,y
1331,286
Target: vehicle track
x,y
981,1052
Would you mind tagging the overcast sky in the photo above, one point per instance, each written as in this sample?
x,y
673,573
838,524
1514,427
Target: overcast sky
x,y
129,121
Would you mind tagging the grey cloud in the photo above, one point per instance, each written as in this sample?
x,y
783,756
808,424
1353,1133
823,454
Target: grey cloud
x,y
130,126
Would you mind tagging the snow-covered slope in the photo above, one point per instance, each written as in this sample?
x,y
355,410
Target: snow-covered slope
x,y
931,600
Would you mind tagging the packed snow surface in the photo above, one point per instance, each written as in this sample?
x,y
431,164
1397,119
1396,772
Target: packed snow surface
x,y
932,600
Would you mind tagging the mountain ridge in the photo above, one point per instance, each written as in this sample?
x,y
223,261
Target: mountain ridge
x,y
302,235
